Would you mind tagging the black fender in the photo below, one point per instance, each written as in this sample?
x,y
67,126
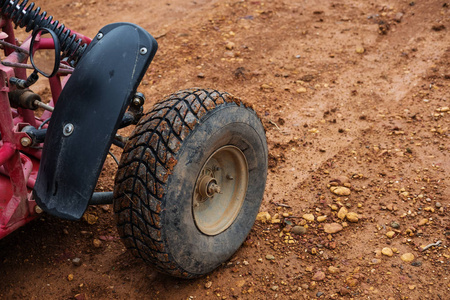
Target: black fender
x,y
87,116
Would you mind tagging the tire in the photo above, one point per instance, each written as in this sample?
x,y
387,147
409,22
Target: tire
x,y
190,182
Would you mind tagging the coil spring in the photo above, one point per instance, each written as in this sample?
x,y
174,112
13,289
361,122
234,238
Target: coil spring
x,y
32,19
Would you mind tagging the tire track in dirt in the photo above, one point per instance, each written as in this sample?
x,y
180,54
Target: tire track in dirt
x,y
373,87
392,86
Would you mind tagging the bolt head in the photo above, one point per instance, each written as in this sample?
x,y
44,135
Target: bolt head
x,y
143,51
38,209
99,36
137,102
68,129
25,141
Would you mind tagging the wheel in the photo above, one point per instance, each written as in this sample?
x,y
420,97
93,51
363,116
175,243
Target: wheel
x,y
190,182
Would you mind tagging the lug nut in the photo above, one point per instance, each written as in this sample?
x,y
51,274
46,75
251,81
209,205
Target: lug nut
x,y
213,189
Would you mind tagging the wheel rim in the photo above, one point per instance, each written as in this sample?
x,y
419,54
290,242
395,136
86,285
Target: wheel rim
x,y
220,190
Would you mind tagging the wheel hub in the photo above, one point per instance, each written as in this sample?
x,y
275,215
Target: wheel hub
x,y
220,190
207,188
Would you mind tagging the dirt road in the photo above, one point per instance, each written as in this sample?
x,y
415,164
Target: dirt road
x,y
354,96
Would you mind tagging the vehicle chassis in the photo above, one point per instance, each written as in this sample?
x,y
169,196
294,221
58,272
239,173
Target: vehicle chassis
x,y
19,159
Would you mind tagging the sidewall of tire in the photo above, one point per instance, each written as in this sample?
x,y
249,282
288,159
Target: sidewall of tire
x,y
193,251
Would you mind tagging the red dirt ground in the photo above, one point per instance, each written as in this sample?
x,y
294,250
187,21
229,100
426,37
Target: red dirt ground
x,y
353,91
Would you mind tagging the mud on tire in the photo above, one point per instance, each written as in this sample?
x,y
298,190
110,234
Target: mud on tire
x,y
163,215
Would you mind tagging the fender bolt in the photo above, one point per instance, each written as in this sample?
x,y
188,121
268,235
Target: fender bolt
x,y
68,129
25,141
143,51
99,36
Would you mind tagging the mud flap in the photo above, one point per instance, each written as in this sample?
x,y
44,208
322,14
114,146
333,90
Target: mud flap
x,y
87,116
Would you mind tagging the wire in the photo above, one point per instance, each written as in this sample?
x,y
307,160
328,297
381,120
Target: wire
x,y
115,159
43,123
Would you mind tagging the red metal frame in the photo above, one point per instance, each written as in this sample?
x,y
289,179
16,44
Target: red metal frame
x,y
19,165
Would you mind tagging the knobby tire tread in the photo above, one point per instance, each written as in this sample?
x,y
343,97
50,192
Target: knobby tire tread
x,y
146,163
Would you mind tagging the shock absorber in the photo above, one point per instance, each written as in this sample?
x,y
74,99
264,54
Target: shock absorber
x,y
24,14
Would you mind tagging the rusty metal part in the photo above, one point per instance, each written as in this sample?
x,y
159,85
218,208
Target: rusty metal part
x,y
17,48
43,105
23,98
220,190
63,69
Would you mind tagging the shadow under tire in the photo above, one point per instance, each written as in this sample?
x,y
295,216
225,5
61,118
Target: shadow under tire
x,y
190,182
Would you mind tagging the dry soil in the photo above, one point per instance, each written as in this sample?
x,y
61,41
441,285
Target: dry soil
x,y
352,94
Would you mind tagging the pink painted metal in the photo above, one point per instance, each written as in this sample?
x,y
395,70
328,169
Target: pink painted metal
x,y
19,164
6,152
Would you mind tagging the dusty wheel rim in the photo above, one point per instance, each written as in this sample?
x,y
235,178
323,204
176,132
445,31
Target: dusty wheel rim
x,y
220,190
